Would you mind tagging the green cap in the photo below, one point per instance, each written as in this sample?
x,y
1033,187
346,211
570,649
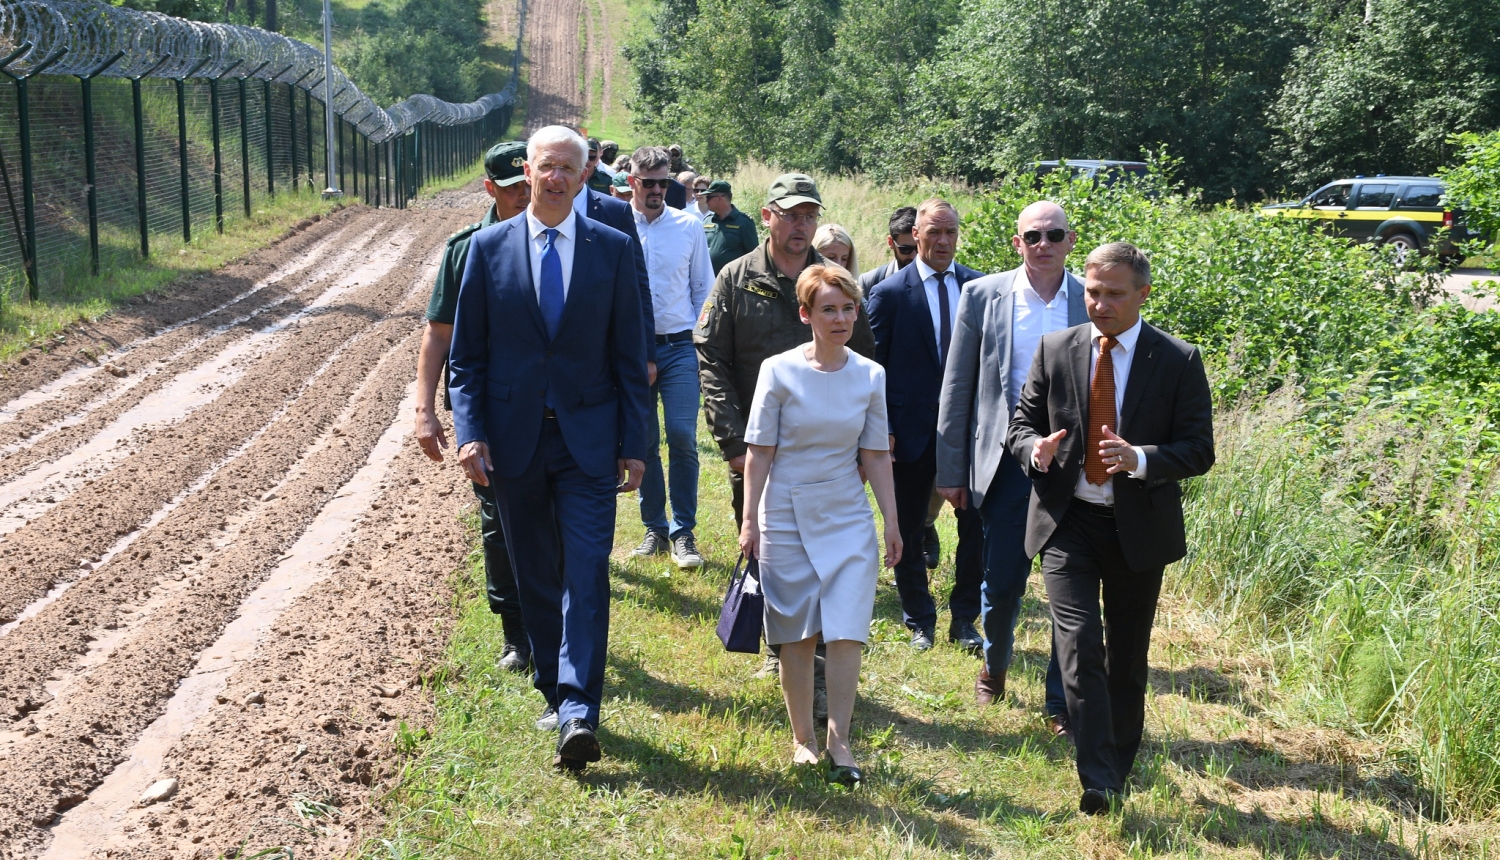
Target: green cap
x,y
622,180
505,163
718,186
793,189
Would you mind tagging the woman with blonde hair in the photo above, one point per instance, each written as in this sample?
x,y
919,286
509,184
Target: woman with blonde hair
x,y
818,416
836,246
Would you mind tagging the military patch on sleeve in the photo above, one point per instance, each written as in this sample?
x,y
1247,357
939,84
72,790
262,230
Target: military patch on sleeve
x,y
759,290
703,317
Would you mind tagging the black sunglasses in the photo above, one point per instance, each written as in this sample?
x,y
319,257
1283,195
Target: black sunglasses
x,y
653,183
1055,235
905,250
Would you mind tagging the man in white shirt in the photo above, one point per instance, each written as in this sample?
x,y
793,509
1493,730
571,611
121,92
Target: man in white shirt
x,y
681,275
1001,319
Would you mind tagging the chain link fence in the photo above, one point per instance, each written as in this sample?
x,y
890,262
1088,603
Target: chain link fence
x,y
122,130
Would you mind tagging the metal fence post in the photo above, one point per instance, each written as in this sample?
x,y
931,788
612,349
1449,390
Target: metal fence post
x,y
245,136
90,166
28,186
307,120
213,108
182,150
140,154
266,118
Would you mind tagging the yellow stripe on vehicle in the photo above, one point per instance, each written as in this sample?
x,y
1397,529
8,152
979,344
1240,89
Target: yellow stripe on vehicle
x,y
1337,215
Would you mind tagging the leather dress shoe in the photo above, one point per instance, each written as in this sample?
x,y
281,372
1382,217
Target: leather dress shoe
x,y
932,548
847,775
921,639
547,722
1097,801
514,658
576,746
964,635
987,687
1060,727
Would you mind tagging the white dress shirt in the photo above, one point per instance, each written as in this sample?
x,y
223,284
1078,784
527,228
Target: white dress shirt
x,y
581,201
567,238
1031,319
930,285
1122,355
678,265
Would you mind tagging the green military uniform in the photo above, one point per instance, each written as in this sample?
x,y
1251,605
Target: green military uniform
x,y
443,305
600,181
751,315
730,238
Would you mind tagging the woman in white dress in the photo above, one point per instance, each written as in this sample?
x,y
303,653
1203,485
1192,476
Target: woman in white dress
x,y
818,417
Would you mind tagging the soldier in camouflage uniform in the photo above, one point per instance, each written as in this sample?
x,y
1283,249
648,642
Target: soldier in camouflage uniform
x,y
504,167
751,315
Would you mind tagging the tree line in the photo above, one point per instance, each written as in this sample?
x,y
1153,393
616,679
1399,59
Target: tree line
x,y
1256,97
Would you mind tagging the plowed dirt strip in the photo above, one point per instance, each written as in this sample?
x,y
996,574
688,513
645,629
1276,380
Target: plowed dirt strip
x,y
51,428
108,506
191,570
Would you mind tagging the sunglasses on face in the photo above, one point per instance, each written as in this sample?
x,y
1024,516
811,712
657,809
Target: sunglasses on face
x,y
653,183
1055,235
905,250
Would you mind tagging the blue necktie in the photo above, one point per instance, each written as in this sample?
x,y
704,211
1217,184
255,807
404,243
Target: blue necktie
x,y
551,297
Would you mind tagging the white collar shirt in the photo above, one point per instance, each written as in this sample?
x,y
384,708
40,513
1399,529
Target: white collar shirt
x,y
678,265
1122,355
581,201
567,241
1032,318
930,285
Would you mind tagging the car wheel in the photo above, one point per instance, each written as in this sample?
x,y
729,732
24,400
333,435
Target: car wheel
x,y
1407,248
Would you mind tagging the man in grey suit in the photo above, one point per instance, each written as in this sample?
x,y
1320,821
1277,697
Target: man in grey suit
x,y
1106,513
1001,318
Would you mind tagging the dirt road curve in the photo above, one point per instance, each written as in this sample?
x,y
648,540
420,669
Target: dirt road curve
x,y
222,561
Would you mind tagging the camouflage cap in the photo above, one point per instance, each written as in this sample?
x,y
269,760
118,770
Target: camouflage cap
x,y
505,163
718,186
792,189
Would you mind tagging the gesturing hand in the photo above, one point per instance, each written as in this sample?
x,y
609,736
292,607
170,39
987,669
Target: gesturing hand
x,y
1116,453
1045,448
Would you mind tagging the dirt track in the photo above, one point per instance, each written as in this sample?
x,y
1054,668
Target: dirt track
x,y
233,470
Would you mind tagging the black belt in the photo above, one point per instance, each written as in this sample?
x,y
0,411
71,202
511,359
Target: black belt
x,y
674,337
1096,510
549,412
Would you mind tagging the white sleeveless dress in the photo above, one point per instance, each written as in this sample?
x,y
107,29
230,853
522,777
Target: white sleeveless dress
x,y
819,553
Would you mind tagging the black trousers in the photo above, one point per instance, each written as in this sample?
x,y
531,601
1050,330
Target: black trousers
x,y
1102,652
499,577
914,481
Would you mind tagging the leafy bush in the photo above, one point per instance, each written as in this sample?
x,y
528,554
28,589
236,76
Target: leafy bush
x,y
1475,183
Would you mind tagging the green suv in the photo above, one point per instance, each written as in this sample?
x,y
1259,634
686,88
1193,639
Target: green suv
x,y
1403,211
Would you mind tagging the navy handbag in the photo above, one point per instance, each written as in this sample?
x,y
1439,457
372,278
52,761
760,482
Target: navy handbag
x,y
744,606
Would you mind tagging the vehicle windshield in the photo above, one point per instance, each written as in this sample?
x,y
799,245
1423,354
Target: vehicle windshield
x,y
1335,195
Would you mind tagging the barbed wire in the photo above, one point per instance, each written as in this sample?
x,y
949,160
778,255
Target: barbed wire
x,y
99,39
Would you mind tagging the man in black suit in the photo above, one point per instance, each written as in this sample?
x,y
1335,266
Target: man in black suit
x,y
1113,415
594,206
912,314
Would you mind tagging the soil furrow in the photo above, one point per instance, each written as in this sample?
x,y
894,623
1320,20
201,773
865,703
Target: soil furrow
x,y
84,525
46,431
77,744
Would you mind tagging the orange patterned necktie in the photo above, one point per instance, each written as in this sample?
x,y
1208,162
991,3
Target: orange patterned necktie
x,y
1101,412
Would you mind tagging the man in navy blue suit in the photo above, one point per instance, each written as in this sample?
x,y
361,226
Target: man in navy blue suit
x,y
550,398
912,314
605,209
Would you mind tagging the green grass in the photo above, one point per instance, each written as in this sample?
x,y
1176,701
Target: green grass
x,y
459,179
696,750
25,324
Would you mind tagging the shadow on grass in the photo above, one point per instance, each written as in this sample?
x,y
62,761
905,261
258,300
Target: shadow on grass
x,y
1225,825
1202,684
665,594
1260,766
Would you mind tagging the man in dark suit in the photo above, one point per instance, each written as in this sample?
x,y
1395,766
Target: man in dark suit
x,y
617,213
903,248
912,314
1106,513
550,399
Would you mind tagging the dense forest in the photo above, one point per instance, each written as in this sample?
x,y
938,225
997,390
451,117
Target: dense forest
x,y
1256,97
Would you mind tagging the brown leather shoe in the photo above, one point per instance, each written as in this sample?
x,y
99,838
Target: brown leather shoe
x,y
1058,723
987,687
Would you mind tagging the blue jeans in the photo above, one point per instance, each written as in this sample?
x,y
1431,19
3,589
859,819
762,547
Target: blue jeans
x,y
1006,568
677,389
